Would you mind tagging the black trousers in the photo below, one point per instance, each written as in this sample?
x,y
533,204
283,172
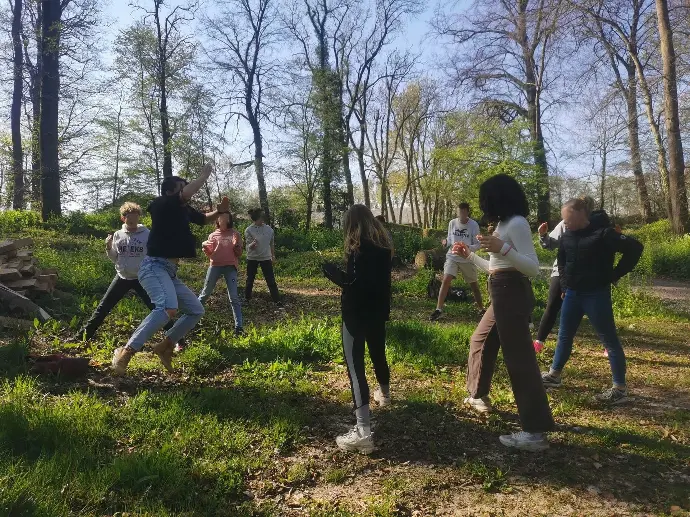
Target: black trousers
x,y
119,287
269,275
374,334
553,306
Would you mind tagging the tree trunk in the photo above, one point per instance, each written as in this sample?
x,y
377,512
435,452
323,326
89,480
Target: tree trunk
x,y
678,195
163,109
362,168
36,113
50,92
346,169
634,142
117,151
259,169
658,140
16,112
391,210
602,184
310,205
534,119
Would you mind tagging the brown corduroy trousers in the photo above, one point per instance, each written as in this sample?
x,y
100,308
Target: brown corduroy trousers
x,y
505,325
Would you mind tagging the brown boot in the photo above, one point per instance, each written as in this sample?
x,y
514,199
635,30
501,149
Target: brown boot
x,y
164,351
121,359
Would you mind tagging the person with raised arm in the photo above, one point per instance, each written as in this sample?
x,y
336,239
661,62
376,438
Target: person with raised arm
x,y
550,241
586,257
170,240
505,324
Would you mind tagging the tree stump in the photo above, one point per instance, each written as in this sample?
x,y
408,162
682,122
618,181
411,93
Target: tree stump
x,y
432,259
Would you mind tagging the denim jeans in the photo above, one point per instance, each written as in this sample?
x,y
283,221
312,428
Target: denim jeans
x,y
158,276
597,306
230,274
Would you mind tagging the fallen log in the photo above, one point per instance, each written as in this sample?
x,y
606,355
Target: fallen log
x,y
14,299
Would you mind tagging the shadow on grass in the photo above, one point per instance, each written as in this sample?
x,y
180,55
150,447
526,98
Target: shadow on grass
x,y
433,434
163,453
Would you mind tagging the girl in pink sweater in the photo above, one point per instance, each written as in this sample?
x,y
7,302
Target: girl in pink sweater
x,y
224,249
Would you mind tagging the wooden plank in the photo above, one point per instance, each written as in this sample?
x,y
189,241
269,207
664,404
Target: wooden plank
x,y
17,300
29,270
10,274
9,246
15,323
22,284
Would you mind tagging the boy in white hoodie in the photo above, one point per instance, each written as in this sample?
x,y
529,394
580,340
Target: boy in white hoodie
x,y
126,248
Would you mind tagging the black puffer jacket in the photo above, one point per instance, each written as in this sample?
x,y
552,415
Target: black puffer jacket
x,y
586,257
366,286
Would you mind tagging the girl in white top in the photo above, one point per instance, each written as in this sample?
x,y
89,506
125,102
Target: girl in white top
x,y
505,324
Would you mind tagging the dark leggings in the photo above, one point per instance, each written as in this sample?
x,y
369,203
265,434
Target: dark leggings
x,y
267,270
553,306
374,334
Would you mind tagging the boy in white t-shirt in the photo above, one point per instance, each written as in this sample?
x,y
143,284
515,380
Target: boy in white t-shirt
x,y
463,229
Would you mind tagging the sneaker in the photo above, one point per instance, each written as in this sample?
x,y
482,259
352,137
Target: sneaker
x,y
525,441
538,346
435,315
179,347
164,351
551,379
381,399
239,332
606,353
353,441
121,359
480,405
613,395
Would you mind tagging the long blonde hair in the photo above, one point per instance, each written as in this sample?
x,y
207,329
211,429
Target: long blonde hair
x,y
360,224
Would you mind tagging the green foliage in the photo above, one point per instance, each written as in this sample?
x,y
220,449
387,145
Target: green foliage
x,y
17,221
665,254
482,147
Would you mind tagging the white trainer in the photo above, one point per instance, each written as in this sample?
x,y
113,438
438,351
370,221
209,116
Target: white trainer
x,y
354,441
381,399
480,405
525,441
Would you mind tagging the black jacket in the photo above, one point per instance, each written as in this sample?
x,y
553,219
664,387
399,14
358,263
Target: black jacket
x,y
366,284
586,257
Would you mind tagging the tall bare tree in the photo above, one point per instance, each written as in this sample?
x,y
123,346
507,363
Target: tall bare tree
x,y
624,31
505,52
677,192
356,51
243,38
170,41
16,110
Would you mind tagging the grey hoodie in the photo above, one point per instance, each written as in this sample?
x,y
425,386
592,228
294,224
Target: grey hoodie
x,y
128,250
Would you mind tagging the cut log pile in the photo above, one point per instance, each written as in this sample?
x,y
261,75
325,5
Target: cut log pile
x,y
21,277
19,270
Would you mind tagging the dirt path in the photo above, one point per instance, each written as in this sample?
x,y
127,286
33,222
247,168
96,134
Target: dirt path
x,y
674,293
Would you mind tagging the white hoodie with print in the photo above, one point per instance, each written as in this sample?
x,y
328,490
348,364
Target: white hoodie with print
x,y
128,251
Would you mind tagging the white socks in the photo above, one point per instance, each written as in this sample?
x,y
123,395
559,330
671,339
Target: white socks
x,y
363,420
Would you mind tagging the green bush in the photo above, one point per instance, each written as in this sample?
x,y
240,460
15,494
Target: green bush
x,y
17,221
665,254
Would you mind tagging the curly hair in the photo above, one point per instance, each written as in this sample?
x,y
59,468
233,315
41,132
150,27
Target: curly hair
x,y
359,223
501,197
129,208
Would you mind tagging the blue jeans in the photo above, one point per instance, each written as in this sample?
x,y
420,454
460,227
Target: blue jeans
x,y
158,276
230,274
597,306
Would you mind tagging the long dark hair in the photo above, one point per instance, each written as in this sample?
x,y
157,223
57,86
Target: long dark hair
x,y
360,224
231,222
501,197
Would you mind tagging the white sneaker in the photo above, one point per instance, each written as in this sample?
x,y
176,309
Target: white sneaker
x,y
353,441
525,441
381,399
480,405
